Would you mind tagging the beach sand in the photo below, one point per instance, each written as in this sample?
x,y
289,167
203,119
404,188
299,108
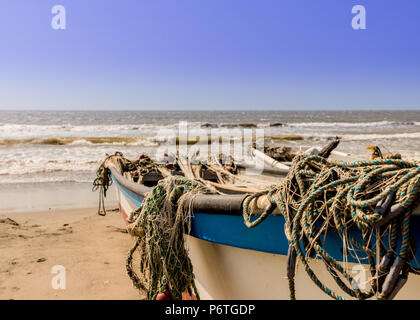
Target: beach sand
x,y
91,248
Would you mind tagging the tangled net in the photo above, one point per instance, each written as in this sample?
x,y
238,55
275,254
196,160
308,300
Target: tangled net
x,y
371,197
160,224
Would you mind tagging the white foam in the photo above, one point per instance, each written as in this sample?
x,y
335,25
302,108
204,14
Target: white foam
x,y
24,131
370,136
351,124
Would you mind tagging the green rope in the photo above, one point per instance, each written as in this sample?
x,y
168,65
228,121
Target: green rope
x,y
165,217
343,196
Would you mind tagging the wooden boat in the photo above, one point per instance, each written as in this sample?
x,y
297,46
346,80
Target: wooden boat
x,y
233,262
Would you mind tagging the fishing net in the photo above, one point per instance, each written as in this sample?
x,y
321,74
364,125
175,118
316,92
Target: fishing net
x,y
160,224
158,227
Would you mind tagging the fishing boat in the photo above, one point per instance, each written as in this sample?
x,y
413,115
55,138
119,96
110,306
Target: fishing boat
x,y
232,261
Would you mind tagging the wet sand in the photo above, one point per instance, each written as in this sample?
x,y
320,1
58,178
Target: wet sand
x,y
91,248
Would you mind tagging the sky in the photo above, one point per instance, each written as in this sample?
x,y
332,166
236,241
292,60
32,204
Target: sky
x,y
209,55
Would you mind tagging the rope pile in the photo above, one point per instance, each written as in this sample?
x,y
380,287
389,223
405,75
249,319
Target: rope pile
x,y
160,224
103,180
373,198
143,166
132,170
282,153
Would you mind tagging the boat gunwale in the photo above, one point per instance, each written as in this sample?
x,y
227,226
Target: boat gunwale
x,y
227,204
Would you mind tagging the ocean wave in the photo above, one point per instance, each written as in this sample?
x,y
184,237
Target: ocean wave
x,y
413,135
364,137
26,131
352,124
77,141
74,128
155,141
279,124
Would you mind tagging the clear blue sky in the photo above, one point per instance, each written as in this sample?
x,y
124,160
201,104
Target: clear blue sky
x,y
209,54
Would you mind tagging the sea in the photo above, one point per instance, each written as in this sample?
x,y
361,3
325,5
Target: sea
x,y
43,152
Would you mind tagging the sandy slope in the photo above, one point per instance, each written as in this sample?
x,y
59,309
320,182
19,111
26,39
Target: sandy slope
x,y
91,248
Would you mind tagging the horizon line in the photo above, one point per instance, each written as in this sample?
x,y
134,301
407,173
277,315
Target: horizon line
x,y
209,110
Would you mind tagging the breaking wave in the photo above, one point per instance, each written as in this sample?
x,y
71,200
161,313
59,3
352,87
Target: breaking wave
x,y
57,141
26,131
365,137
352,124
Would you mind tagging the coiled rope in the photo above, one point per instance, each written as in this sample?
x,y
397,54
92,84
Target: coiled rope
x,y
369,196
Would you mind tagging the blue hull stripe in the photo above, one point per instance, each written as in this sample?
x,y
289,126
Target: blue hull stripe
x,y
135,198
267,237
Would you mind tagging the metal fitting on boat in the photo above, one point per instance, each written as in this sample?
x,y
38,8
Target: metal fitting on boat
x,y
270,208
393,276
291,262
381,273
402,280
394,211
383,205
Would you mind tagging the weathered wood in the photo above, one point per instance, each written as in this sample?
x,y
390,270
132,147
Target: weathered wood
x,y
326,151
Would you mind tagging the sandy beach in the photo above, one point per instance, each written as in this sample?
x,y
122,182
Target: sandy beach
x,y
91,248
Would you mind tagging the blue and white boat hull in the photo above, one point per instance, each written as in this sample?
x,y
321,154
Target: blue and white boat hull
x,y
233,262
